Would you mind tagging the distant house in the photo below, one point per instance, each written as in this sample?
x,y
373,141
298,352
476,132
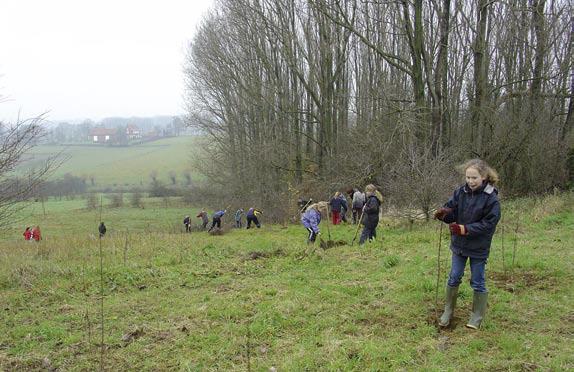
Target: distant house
x,y
133,132
103,135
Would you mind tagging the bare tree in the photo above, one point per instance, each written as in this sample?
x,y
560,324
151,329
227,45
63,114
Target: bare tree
x,y
318,94
117,200
91,201
15,141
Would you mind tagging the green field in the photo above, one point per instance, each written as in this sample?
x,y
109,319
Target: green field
x,y
257,299
122,166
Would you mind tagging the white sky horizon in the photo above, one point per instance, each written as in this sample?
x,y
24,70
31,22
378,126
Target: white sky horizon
x,y
75,60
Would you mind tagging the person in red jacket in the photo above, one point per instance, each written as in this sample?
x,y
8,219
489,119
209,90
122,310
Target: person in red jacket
x,y
27,234
36,235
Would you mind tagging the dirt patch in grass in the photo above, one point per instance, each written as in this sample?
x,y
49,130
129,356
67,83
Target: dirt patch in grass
x,y
255,255
222,288
163,335
568,318
432,318
216,232
331,243
379,320
133,334
19,364
568,325
520,280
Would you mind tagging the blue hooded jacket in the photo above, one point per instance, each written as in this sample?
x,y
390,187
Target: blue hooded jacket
x,y
479,212
252,212
336,204
218,214
311,219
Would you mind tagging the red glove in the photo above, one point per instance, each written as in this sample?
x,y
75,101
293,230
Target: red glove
x,y
456,229
441,213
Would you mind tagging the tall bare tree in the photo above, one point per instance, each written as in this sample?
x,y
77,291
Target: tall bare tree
x,y
321,94
16,140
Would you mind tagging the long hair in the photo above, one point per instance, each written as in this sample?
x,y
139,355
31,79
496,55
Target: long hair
x,y
322,207
485,170
371,189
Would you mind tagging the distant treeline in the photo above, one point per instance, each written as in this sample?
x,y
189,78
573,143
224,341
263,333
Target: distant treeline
x,y
313,96
70,186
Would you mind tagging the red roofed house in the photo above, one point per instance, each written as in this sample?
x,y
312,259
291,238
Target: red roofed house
x,y
103,135
133,132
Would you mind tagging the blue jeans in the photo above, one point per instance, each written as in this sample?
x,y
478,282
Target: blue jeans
x,y
477,267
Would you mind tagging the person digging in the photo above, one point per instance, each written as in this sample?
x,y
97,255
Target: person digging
x,y
311,219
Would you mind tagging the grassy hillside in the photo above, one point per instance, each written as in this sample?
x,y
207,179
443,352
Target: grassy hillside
x,y
252,299
122,166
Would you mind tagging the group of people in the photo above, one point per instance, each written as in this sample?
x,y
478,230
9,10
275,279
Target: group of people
x,y
366,208
32,234
472,213
339,205
252,217
204,220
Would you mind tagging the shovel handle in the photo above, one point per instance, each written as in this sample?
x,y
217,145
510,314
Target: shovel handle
x,y
358,225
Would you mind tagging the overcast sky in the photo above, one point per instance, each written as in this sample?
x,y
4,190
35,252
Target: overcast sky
x,y
93,59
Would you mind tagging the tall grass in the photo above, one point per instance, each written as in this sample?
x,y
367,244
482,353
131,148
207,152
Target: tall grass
x,y
178,301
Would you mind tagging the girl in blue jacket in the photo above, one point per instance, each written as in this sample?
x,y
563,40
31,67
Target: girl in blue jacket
x,y
312,218
472,214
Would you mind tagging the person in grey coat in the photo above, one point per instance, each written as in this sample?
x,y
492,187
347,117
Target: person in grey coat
x,y
357,204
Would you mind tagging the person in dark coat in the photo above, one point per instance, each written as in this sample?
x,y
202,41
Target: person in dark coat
x,y
102,229
472,213
344,207
216,219
187,223
336,205
253,216
371,214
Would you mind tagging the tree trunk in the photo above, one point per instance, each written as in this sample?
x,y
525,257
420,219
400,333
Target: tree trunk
x,y
479,134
